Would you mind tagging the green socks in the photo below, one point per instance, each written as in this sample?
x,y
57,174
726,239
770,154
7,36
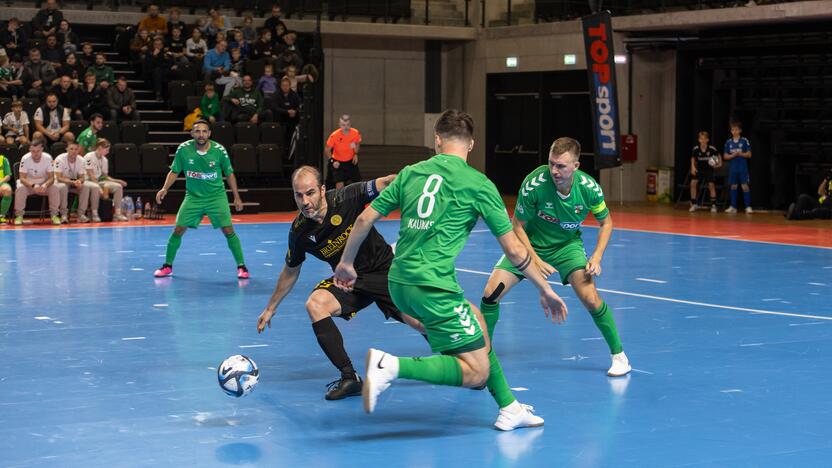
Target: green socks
x,y
606,323
439,370
4,205
236,248
174,242
491,313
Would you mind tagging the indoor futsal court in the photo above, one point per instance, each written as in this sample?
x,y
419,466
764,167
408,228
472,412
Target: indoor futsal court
x,y
726,323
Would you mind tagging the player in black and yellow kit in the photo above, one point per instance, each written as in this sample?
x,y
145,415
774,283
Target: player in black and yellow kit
x,y
321,229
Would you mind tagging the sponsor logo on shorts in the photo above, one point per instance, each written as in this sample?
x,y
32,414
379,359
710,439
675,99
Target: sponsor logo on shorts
x,y
201,175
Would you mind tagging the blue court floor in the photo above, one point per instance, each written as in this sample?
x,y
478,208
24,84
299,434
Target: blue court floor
x,y
105,366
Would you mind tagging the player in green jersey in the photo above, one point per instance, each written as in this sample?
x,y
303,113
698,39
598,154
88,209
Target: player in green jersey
x,y
204,162
441,200
553,202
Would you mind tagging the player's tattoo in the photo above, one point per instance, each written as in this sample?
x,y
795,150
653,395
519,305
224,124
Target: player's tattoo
x,y
525,263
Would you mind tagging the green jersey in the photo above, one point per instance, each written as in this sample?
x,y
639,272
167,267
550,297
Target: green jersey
x,y
203,171
553,219
87,139
440,200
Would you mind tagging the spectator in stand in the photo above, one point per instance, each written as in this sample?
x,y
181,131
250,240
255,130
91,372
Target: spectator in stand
x,y
286,107
248,29
159,67
46,21
87,56
122,101
36,178
286,59
67,94
264,48
10,83
98,178
294,78
16,125
176,47
809,207
89,137
217,62
209,105
221,36
290,39
52,52
245,104
70,172
238,42
174,21
139,46
14,39
153,23
52,122
274,20
104,75
343,145
72,69
67,38
92,99
267,84
216,23
277,37
38,75
195,46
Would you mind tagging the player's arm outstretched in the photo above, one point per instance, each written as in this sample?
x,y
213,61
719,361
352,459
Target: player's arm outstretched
x,y
285,283
232,184
593,264
521,257
345,274
519,228
169,180
383,182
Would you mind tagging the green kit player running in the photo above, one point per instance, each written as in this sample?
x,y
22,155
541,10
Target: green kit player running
x,y
441,200
552,203
204,162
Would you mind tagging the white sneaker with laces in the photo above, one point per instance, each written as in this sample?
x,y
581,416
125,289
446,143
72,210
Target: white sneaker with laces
x,y
620,365
64,219
381,370
517,415
748,210
96,218
730,209
120,217
713,208
693,208
82,218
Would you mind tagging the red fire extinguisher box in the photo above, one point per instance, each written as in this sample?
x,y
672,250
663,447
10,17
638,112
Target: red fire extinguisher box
x,y
629,148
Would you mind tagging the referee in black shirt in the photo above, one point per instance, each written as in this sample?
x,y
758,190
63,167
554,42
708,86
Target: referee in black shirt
x,y
321,229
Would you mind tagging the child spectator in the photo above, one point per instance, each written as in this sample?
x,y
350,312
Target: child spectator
x,y
209,106
267,83
16,125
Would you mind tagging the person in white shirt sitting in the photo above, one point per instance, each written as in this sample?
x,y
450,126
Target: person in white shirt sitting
x,y
16,125
36,179
98,178
70,172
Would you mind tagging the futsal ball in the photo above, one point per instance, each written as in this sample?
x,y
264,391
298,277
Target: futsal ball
x,y
713,161
238,375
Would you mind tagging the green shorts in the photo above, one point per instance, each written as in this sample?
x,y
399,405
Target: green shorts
x,y
568,258
449,322
194,208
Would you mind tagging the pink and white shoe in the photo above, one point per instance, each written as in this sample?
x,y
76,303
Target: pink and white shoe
x,y
165,271
242,272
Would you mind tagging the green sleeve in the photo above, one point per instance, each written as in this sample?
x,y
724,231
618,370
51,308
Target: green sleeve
x,y
225,163
597,205
390,197
176,167
526,206
493,211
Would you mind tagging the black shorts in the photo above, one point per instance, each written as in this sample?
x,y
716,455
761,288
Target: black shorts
x,y
347,172
704,172
369,288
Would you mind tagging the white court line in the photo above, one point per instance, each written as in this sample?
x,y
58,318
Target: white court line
x,y
642,371
131,338
625,308
480,230
681,301
648,280
124,251
751,344
261,251
818,284
731,390
253,346
519,389
728,238
208,253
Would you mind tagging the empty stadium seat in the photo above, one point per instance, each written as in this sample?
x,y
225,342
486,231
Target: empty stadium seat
x,y
57,148
247,133
110,132
30,105
244,158
154,159
11,153
77,126
124,160
271,132
5,106
192,102
223,133
133,132
269,159
179,90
